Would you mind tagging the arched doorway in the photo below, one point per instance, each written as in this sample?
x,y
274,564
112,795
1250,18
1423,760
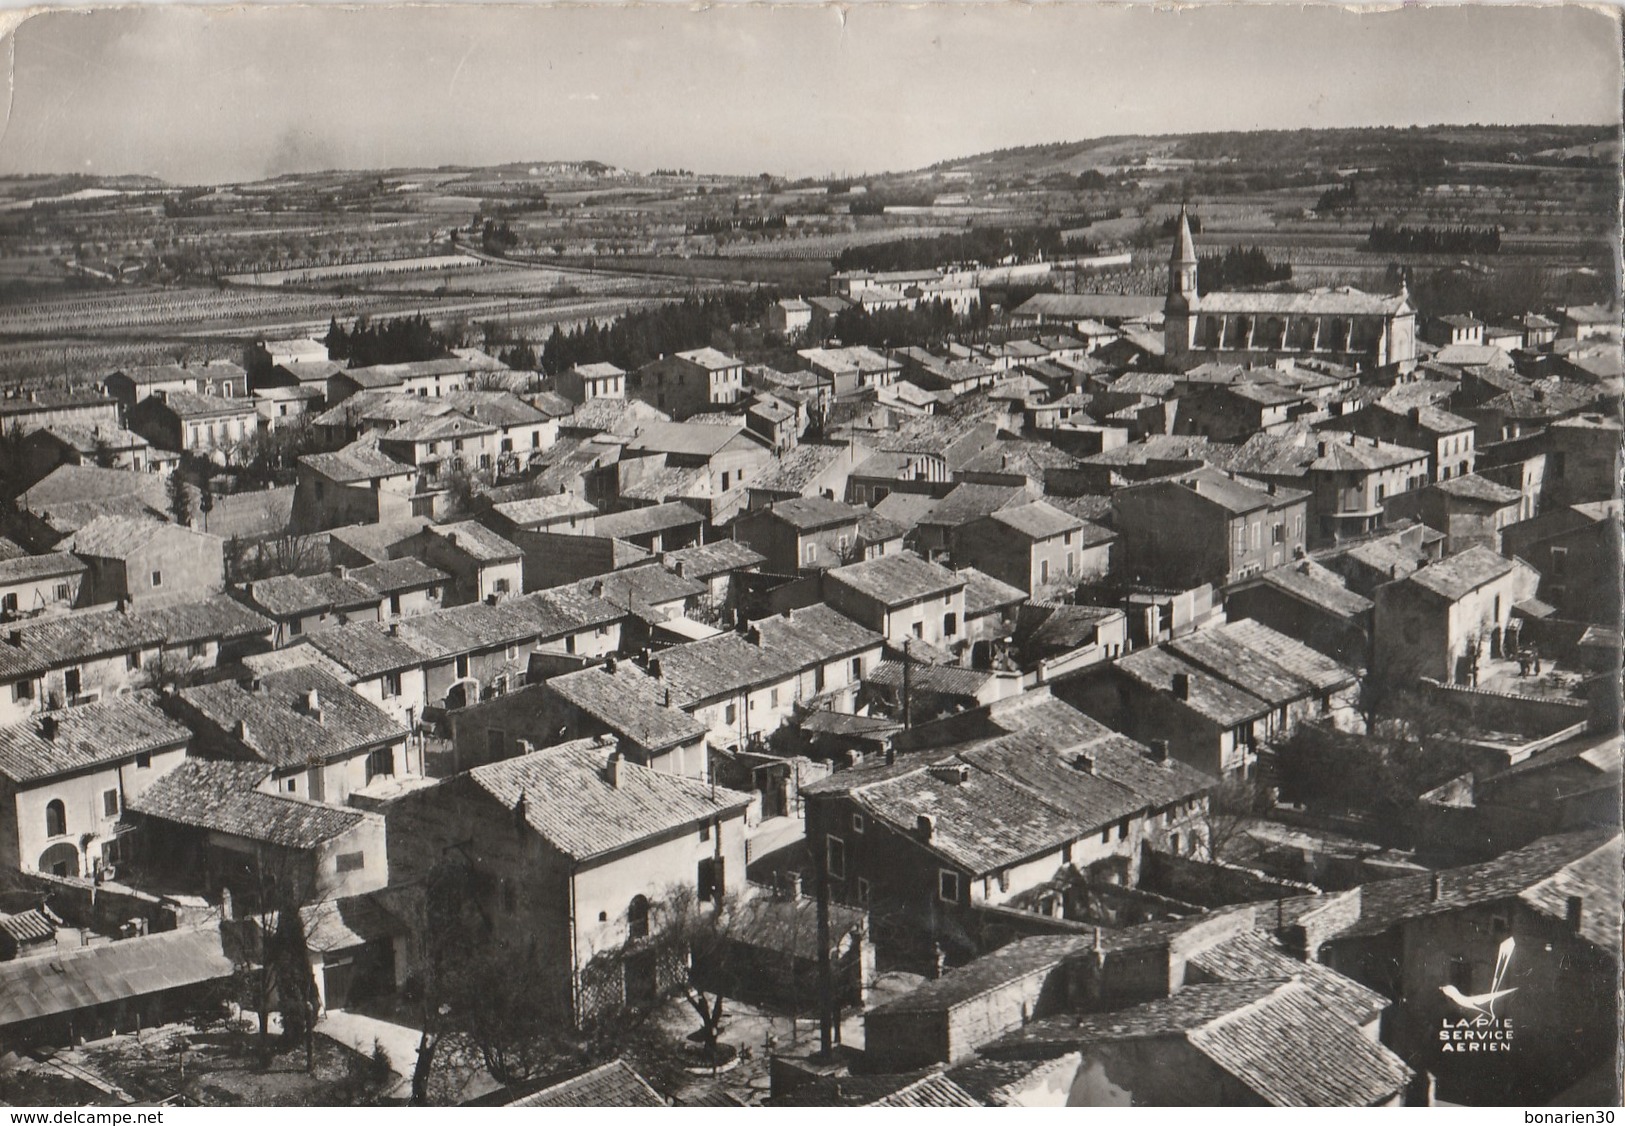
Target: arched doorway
x,y
61,859
462,694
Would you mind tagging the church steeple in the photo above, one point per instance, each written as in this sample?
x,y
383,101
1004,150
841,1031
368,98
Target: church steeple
x,y
1182,265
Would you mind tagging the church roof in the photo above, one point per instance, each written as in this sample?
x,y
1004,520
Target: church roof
x,y
1344,301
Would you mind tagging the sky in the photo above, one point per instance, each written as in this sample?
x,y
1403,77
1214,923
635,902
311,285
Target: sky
x,y
197,95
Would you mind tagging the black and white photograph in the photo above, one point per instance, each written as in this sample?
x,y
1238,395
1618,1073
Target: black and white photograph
x,y
808,556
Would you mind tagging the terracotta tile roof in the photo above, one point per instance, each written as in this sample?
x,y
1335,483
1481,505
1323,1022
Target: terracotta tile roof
x,y
1212,697
27,568
85,737
1318,587
1253,955
984,593
1292,655
792,470
187,404
895,579
647,521
1593,878
1292,1050
396,575
537,510
364,649
631,703
220,797
1038,520
221,618
116,537
613,1084
1454,578
280,731
1387,903
286,596
569,800
704,561
359,461
810,514
476,541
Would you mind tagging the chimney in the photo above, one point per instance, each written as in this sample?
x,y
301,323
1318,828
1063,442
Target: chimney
x,y
680,568
1415,414
48,725
311,705
668,697
15,638
609,664
754,636
1159,750
341,572
654,670
925,824
1182,686
1574,912
241,733
598,588
1436,888
394,629
1083,763
612,770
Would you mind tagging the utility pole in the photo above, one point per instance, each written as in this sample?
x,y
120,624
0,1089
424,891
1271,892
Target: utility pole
x,y
908,703
826,973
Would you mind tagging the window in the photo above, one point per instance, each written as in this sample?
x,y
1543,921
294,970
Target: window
x,y
919,629
9,603
197,650
1173,843
72,682
395,605
1560,562
947,886
56,818
110,804
351,861
1106,835
705,831
1043,571
950,625
773,698
501,586
637,917
22,690
392,685
462,667
296,627
132,660
1122,830
857,668
835,857
730,714
291,785
61,594
811,554
857,822
143,760
863,891
709,878
380,763
157,578
513,652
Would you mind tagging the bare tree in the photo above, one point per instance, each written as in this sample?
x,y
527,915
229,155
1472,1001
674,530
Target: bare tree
x,y
1233,807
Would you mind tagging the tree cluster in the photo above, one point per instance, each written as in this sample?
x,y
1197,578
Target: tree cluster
x,y
1238,267
978,244
646,334
398,341
718,225
926,324
1338,198
1392,238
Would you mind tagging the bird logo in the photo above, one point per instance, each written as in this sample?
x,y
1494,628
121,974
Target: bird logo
x,y
1484,1003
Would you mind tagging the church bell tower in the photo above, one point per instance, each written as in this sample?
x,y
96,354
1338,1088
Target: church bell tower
x,y
1179,314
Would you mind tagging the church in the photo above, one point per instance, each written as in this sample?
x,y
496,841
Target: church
x,y
1344,325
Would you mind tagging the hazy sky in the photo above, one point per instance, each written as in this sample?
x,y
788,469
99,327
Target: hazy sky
x,y
198,95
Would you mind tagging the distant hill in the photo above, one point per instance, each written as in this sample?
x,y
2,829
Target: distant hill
x,y
1305,148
